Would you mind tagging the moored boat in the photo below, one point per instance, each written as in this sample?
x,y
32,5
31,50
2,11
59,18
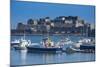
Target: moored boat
x,y
84,41
86,45
15,42
45,46
22,44
43,49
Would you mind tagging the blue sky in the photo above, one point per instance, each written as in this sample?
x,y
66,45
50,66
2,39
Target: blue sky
x,y
22,11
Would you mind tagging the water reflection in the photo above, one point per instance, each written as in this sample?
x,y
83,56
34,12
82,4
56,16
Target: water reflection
x,y
23,54
22,57
51,57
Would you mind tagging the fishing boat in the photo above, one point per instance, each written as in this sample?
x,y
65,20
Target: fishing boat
x,y
45,46
84,41
86,45
23,43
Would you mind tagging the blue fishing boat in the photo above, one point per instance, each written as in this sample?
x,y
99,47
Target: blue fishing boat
x,y
45,46
41,49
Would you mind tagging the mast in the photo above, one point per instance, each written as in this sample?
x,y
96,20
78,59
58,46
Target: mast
x,y
87,31
48,30
24,34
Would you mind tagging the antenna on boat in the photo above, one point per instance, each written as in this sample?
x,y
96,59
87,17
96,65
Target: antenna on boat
x,y
24,34
48,30
87,30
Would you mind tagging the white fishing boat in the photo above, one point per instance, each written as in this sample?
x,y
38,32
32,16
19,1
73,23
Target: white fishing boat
x,y
84,41
23,43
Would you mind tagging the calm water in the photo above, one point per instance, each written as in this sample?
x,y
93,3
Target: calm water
x,y
21,57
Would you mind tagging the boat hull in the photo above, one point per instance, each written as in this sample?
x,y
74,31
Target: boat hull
x,y
88,48
36,49
85,47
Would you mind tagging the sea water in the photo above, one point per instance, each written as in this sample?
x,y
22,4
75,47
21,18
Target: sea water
x,y
22,57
